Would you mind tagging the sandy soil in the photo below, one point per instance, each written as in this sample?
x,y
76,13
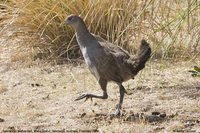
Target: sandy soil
x,y
41,97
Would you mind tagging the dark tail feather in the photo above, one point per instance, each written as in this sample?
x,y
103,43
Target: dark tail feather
x,y
143,55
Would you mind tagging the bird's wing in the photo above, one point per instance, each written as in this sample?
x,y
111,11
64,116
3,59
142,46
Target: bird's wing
x,y
119,61
111,48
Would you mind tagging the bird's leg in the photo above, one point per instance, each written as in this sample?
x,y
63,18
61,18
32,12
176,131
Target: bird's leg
x,y
118,107
103,84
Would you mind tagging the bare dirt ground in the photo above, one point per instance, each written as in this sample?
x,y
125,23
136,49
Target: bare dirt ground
x,y
39,97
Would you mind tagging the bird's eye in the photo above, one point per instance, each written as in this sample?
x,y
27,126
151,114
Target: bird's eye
x,y
70,18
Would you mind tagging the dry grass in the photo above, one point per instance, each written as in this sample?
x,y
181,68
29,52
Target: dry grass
x,y
170,26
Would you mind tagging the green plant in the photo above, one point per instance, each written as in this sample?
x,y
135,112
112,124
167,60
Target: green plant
x,y
195,72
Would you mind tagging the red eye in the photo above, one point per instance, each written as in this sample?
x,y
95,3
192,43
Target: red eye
x,y
70,18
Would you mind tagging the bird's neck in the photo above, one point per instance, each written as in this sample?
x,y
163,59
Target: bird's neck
x,y
83,35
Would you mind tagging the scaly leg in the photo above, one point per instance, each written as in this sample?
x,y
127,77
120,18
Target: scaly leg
x,y
103,84
118,107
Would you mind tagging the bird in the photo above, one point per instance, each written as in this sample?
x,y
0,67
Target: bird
x,y
107,61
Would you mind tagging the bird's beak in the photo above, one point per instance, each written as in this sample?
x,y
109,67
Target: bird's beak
x,y
65,21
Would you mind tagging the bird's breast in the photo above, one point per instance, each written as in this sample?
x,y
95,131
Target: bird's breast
x,y
90,60
86,56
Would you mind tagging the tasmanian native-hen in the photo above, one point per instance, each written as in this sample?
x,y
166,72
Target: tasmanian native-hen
x,y
106,61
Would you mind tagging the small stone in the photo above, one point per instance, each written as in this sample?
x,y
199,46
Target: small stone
x,y
153,118
155,113
37,85
32,85
163,115
2,120
83,114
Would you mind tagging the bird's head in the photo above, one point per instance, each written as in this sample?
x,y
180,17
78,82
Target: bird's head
x,y
73,20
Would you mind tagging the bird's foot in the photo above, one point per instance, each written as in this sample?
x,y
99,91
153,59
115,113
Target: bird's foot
x,y
117,113
86,96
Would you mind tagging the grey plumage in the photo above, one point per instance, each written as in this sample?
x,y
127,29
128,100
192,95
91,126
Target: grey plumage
x,y
106,61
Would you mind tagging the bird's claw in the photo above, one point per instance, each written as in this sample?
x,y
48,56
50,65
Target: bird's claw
x,y
86,96
116,114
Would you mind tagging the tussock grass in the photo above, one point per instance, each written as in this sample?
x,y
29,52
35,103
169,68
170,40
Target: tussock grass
x,y
171,27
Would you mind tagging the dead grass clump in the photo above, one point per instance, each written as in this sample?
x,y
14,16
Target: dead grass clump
x,y
170,26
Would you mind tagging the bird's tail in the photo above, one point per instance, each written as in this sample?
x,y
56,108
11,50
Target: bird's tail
x,y
143,55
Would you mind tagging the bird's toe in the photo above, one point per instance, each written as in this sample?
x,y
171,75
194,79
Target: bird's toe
x,y
81,97
86,96
117,114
